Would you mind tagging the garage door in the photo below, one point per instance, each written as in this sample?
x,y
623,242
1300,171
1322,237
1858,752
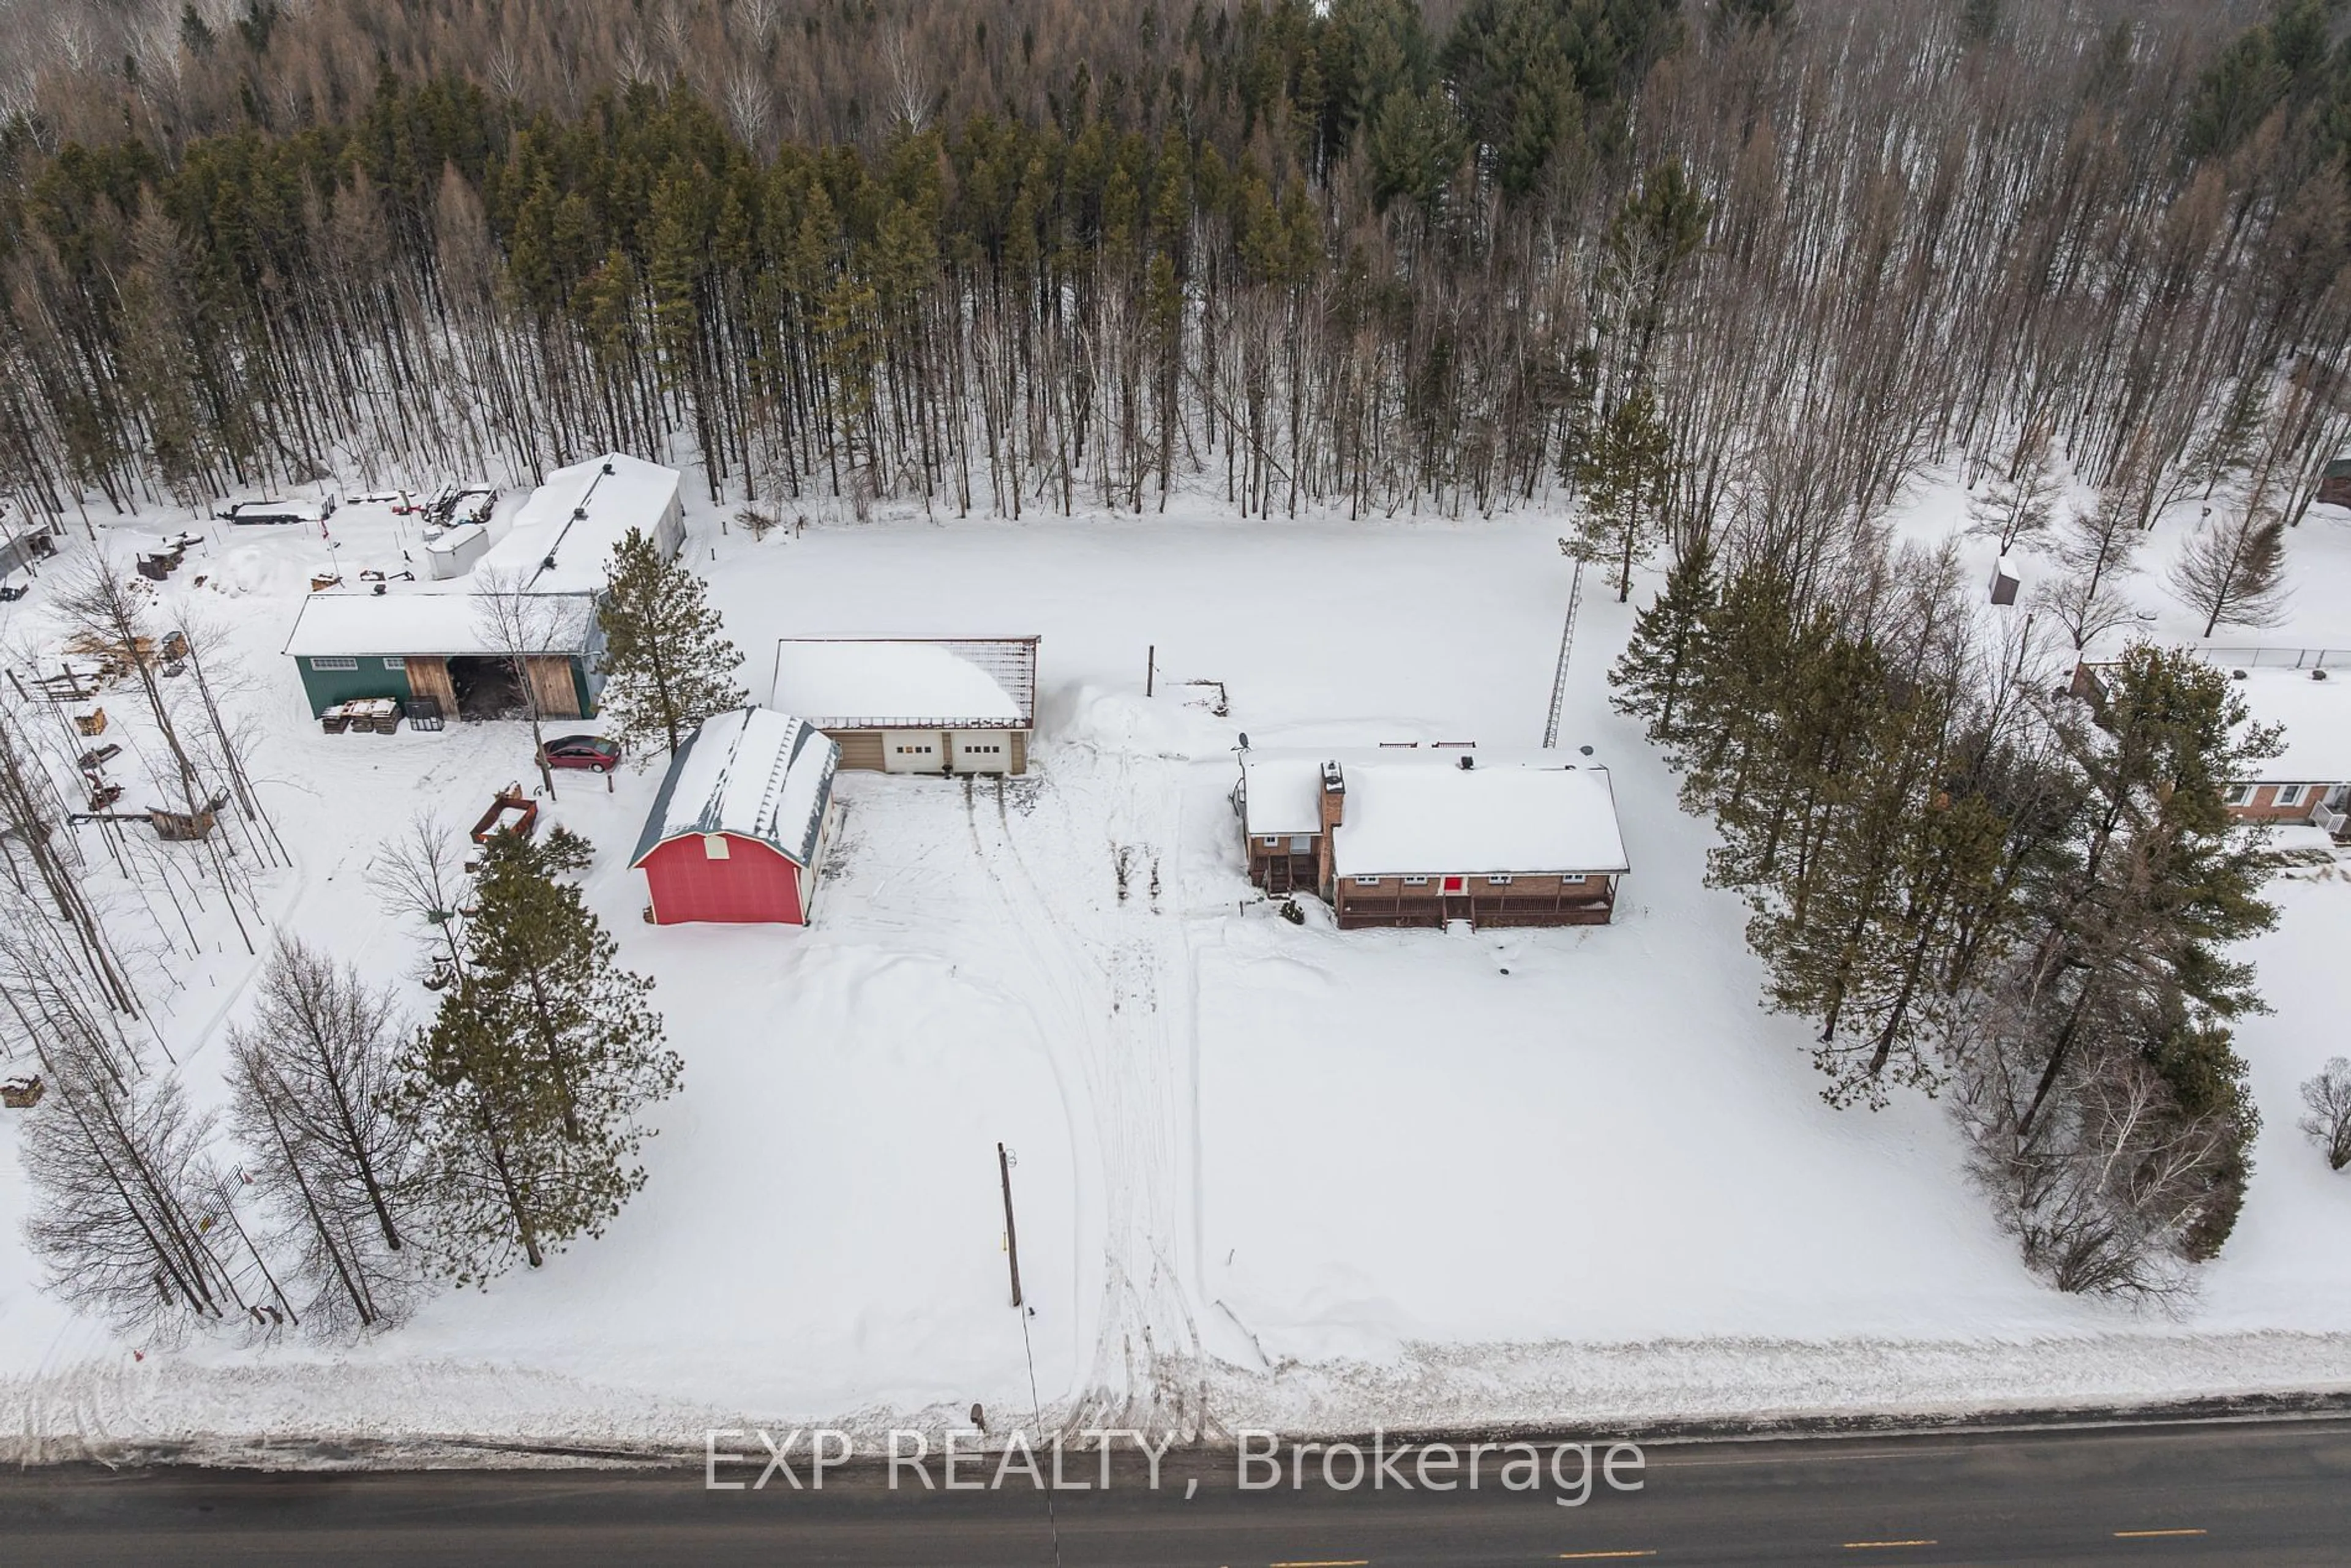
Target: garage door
x,y
914,751
981,750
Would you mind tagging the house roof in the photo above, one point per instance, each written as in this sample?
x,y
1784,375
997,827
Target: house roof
x,y
2316,716
1417,811
634,493
883,683
752,772
425,626
1530,814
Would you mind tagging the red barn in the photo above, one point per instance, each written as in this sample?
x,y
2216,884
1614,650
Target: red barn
x,y
739,828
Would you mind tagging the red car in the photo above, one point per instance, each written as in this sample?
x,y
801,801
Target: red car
x,y
592,752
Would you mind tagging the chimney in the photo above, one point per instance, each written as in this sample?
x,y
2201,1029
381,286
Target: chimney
x,y
1334,797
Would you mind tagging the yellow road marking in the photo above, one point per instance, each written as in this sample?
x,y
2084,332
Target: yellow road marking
x,y
2151,1534
1865,1545
1587,1556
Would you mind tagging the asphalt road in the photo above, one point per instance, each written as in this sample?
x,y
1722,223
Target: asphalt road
x,y
2269,1493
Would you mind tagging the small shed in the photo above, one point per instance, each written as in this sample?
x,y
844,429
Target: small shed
x,y
739,832
895,705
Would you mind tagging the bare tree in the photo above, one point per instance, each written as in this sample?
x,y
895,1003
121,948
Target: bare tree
x,y
2234,571
125,1203
2096,549
109,616
525,627
420,873
2019,505
310,1075
2328,1095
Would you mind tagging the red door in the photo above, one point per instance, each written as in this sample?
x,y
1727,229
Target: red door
x,y
1453,884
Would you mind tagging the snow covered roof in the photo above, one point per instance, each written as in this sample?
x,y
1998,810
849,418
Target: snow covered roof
x,y
1281,791
879,683
342,625
617,493
754,772
2318,719
1431,815
1417,811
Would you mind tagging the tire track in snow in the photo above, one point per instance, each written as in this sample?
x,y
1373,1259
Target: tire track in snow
x,y
1115,977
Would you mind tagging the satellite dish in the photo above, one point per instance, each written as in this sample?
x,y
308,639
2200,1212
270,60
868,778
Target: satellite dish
x,y
1245,740
1585,749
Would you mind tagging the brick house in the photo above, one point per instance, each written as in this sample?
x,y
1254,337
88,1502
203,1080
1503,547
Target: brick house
x,y
2311,780
1416,836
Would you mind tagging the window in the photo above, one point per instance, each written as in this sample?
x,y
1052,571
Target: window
x,y
1301,843
1272,843
334,664
2239,794
714,847
2289,794
395,664
1415,882
1573,879
1498,882
1374,882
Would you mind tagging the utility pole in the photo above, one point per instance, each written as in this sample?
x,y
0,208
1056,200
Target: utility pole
x,y
1011,1236
1150,668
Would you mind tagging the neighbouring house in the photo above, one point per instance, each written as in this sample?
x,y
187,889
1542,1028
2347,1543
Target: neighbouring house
x,y
738,833
2334,483
943,705
434,640
1414,836
2311,780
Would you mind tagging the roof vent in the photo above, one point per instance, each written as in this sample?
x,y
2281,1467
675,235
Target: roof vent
x,y
579,513
608,466
1467,762
548,565
1585,749
2318,674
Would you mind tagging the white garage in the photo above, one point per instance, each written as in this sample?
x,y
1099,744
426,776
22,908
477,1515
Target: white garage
x,y
895,704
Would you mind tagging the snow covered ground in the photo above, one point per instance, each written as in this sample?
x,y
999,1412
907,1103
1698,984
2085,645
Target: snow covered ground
x,y
1266,1174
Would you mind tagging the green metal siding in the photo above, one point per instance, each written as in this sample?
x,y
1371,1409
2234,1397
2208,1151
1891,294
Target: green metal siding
x,y
326,688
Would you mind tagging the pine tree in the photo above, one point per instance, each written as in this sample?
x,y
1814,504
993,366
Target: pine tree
x,y
1622,470
527,1089
666,660
2108,1107
1659,661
